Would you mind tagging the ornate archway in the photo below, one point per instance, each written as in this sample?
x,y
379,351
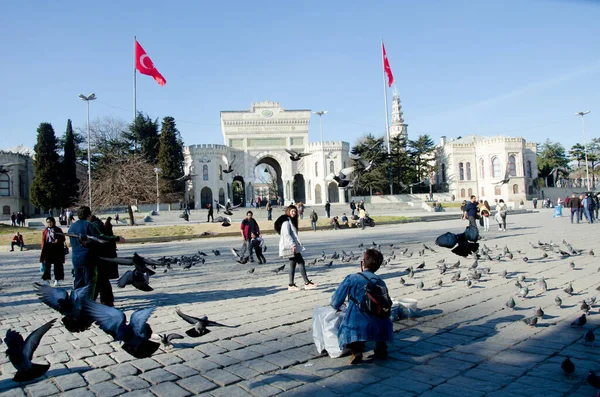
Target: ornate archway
x,y
318,194
265,175
299,188
333,193
221,196
206,197
238,191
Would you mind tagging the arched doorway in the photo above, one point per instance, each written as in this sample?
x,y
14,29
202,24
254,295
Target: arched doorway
x,y
238,191
299,188
206,197
267,173
318,194
221,196
333,193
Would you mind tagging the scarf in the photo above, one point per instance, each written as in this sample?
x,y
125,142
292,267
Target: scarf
x,y
51,235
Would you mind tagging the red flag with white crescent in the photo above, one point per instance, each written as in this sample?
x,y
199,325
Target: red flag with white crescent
x,y
386,67
144,65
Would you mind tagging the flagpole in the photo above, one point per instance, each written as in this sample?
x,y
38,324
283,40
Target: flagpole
x,y
387,123
134,80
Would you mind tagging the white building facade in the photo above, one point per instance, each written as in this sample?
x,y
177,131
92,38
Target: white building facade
x,y
476,165
259,136
16,176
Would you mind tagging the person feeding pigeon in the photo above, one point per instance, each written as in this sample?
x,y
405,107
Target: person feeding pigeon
x,y
364,323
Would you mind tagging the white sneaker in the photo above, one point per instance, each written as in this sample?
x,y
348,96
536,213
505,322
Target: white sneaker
x,y
47,282
293,288
310,285
56,283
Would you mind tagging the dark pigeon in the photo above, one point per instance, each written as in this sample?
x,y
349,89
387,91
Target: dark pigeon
x,y
20,352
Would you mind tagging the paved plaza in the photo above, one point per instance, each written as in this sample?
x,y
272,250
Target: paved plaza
x,y
464,341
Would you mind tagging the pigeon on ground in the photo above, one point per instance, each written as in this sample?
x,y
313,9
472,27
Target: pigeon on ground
x,y
421,285
593,380
524,292
135,335
440,283
469,284
280,268
402,281
558,301
531,321
585,307
20,352
580,322
201,253
591,252
543,284
572,264
250,271
511,303
69,306
589,336
569,289
503,273
455,277
200,324
216,252
539,312
568,367
165,340
525,259
421,265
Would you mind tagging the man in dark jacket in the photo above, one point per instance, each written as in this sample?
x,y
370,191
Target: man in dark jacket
x,y
106,270
574,204
247,227
210,216
471,211
328,209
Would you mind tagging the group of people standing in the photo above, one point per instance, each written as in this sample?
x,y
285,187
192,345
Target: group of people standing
x,y
17,219
474,212
583,205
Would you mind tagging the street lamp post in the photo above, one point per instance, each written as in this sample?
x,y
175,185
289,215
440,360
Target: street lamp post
x,y
320,114
587,170
87,99
157,171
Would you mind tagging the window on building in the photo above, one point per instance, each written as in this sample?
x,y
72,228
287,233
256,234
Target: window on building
x,y
462,192
205,172
331,169
4,185
317,168
309,191
469,192
461,171
529,172
443,173
6,210
220,172
530,189
482,168
482,191
497,191
21,186
512,165
468,171
515,189
496,171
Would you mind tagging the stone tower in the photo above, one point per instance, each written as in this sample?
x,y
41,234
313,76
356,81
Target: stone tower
x,y
398,127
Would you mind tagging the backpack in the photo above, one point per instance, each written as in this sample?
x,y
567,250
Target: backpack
x,y
314,217
376,301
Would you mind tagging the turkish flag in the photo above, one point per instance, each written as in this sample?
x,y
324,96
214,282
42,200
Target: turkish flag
x,y
386,67
144,65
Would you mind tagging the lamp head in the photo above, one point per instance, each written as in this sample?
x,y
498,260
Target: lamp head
x,y
582,113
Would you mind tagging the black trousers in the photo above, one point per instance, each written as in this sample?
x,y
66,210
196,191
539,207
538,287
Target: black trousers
x,y
59,271
103,288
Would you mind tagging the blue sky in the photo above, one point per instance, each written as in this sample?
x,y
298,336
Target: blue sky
x,y
519,68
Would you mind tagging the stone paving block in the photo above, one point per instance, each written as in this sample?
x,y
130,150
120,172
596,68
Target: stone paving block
x,y
71,381
339,384
279,381
448,362
242,371
409,383
122,356
230,391
120,370
197,384
16,392
523,390
528,382
106,389
222,359
489,376
139,393
81,343
80,392
202,365
62,347
169,389
502,368
453,390
484,386
221,377
96,376
436,370
310,390
280,360
470,358
258,388
130,383
102,349
158,375
385,391
145,364
181,370
167,359
243,354
100,361
79,354
211,348
54,358
77,366
190,354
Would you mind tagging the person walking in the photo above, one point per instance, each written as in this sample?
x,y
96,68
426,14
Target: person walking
x,y
328,209
352,207
13,219
301,210
501,211
53,252
358,327
574,206
269,209
290,247
210,216
534,201
105,271
313,220
362,217
247,227
471,211
485,212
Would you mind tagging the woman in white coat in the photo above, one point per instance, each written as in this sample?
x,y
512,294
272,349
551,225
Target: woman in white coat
x,y
290,246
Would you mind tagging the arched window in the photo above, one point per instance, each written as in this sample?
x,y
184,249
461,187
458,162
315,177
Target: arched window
x,y
482,191
529,173
482,168
512,165
220,172
331,171
496,172
469,192
4,185
461,171
6,210
515,189
443,173
205,172
468,171
497,191
316,169
462,192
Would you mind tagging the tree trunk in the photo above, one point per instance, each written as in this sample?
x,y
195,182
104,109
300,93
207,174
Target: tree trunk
x,y
131,218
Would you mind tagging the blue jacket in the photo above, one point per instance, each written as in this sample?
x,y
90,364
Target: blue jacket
x,y
471,209
356,325
79,253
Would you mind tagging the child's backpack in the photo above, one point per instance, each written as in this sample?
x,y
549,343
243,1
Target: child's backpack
x,y
376,301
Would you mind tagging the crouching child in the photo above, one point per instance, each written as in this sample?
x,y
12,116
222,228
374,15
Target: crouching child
x,y
367,318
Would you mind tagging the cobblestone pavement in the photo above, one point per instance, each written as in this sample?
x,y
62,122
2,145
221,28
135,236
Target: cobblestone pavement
x,y
464,342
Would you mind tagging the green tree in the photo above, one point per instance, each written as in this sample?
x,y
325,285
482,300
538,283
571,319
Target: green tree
x,y
45,188
143,137
400,164
170,159
422,152
577,153
549,157
371,149
68,179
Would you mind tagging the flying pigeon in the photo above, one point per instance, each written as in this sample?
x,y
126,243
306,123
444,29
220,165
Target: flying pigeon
x,y
342,178
229,170
69,306
20,352
462,244
296,156
200,324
